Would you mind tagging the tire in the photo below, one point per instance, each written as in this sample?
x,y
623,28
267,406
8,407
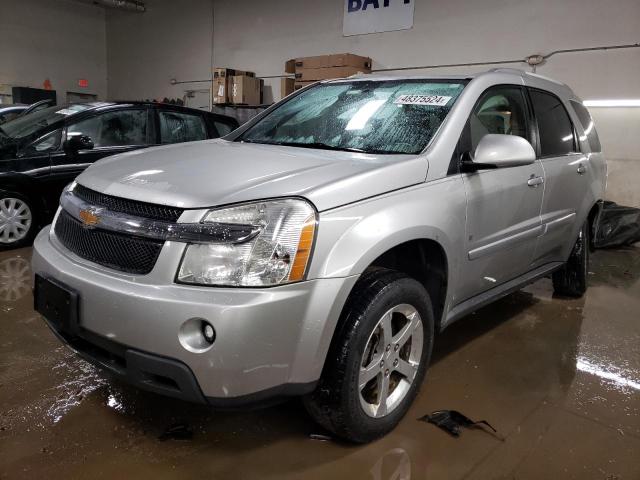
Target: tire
x,y
571,279
381,298
18,222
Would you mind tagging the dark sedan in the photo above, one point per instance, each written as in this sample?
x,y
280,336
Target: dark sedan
x,y
42,152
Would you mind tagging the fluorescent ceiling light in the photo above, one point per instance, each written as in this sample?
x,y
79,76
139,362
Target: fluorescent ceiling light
x,y
612,103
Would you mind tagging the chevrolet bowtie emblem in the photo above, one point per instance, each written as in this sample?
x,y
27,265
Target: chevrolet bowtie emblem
x,y
89,218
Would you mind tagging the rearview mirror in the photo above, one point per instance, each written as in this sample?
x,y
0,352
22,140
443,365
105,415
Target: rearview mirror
x,y
77,143
501,151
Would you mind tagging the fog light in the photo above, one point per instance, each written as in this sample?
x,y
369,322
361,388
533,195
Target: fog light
x,y
208,332
197,335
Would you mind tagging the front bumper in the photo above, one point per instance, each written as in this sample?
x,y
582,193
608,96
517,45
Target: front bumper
x,y
269,341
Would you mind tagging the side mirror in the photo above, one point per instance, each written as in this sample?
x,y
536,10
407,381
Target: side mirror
x,y
501,151
78,142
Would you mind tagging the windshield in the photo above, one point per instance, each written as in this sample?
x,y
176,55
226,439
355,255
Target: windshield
x,y
394,116
22,127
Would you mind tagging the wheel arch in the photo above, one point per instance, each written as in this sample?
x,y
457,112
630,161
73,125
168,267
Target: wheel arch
x,y
23,185
424,260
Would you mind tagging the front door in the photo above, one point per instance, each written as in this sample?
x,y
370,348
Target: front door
x,y
503,205
112,132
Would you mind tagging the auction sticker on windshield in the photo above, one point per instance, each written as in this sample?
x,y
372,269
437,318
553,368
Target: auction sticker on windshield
x,y
435,100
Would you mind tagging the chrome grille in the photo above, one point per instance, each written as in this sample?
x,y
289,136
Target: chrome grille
x,y
121,252
130,207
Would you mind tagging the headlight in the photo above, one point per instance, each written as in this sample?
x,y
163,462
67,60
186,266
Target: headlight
x,y
279,253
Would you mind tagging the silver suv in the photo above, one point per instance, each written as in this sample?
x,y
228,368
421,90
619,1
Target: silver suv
x,y
317,249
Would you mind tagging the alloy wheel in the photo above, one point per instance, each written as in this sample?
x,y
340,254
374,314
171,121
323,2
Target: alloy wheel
x,y
15,220
390,361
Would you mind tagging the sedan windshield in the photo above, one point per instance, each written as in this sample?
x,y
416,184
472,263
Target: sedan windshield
x,y
393,116
25,126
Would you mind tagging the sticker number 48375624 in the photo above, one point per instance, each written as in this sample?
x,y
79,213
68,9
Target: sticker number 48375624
x,y
436,100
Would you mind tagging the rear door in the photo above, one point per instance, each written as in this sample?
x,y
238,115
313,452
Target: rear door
x,y
503,205
566,176
177,126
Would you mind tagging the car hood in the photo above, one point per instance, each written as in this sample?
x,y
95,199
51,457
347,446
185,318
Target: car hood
x,y
218,172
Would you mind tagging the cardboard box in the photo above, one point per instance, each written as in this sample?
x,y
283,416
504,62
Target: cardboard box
x,y
299,85
222,83
287,86
335,60
245,90
219,72
290,66
315,74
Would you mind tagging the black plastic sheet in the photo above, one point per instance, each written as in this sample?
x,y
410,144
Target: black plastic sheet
x,y
452,421
618,226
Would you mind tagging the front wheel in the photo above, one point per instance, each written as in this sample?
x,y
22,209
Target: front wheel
x,y
378,357
571,279
17,220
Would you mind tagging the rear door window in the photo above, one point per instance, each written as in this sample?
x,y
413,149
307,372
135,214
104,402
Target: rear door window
x,y
554,125
177,127
223,128
587,123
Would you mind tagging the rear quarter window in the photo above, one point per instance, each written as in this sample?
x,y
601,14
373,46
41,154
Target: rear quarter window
x,y
587,124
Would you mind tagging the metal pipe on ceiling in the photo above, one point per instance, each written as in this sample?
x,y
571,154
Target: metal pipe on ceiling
x,y
135,6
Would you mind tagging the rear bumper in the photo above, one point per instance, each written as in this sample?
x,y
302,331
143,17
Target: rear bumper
x,y
269,342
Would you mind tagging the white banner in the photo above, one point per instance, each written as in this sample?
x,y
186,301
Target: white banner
x,y
372,16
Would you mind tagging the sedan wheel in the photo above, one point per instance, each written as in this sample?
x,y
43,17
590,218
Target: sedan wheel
x,y
15,220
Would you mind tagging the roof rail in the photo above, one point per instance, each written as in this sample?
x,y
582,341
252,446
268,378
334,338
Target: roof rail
x,y
517,71
523,73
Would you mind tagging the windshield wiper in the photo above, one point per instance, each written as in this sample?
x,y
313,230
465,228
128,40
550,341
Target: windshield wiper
x,y
321,146
316,145
326,146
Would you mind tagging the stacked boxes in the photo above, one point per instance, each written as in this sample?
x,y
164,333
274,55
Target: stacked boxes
x,y
287,86
312,69
236,86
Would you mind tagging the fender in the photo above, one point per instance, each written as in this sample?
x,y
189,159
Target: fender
x,y
350,238
21,183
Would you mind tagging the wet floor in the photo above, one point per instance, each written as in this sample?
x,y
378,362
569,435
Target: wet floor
x,y
559,380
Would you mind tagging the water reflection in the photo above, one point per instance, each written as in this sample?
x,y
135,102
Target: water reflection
x,y
395,464
611,373
15,278
79,380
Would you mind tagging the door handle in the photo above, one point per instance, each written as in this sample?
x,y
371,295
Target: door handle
x,y
581,169
535,181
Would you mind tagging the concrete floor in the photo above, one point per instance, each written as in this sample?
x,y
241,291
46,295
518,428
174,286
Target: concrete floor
x,y
559,379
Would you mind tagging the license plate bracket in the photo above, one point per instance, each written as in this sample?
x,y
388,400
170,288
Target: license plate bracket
x,y
57,303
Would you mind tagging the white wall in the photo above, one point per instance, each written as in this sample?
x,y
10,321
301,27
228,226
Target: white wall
x,y
61,40
145,51
260,36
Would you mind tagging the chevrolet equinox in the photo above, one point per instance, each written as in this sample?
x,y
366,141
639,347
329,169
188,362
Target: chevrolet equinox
x,y
316,250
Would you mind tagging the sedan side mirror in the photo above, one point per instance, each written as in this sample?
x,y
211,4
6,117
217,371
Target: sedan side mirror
x,y
77,143
501,151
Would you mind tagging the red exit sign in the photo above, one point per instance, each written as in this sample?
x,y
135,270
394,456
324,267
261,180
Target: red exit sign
x,y
83,82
